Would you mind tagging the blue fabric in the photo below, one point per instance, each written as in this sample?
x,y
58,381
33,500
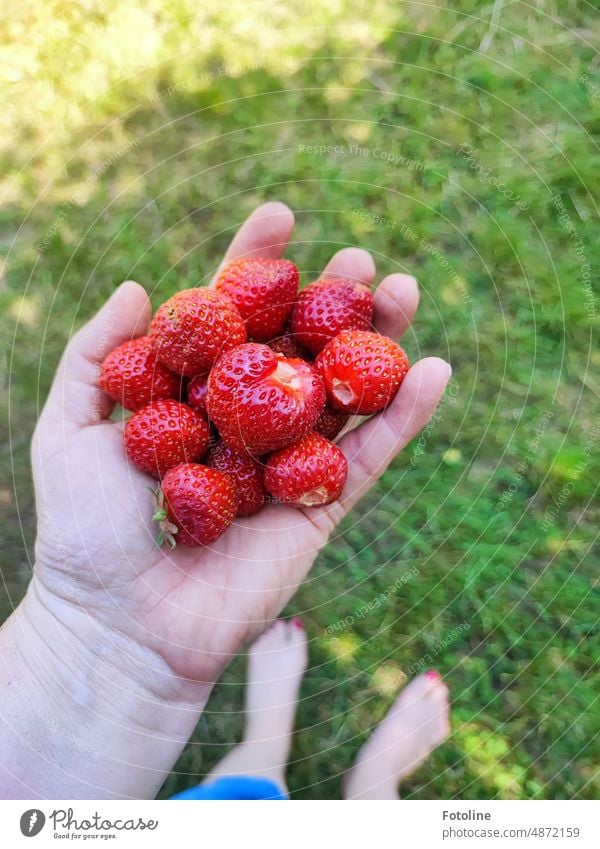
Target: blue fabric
x,y
235,787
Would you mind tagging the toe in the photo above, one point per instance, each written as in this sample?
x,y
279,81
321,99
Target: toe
x,y
297,639
296,630
417,688
270,637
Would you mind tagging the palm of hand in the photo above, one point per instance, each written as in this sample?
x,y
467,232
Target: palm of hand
x,y
196,607
193,607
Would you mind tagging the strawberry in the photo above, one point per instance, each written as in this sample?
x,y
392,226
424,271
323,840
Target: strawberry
x,y
261,401
263,290
165,434
327,307
246,473
196,393
289,347
330,422
309,473
133,377
193,327
194,505
362,371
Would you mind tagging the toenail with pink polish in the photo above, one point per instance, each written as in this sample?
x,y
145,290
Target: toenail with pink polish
x,y
433,675
297,622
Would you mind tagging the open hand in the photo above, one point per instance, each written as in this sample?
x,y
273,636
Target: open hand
x,y
191,609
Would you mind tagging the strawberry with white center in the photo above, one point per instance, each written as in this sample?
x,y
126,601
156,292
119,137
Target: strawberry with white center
x,y
362,372
260,401
310,473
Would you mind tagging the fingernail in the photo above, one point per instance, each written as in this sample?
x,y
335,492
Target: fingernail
x,y
433,675
297,623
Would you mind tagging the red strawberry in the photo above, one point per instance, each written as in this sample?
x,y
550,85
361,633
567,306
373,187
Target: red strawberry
x,y
194,505
289,347
193,327
133,377
362,371
196,393
165,434
246,473
261,401
330,422
310,472
263,290
327,307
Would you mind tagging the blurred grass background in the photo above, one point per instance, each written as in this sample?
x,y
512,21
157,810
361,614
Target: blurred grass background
x,y
463,148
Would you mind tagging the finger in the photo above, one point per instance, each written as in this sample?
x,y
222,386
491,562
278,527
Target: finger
x,y
370,448
353,263
264,233
75,397
395,301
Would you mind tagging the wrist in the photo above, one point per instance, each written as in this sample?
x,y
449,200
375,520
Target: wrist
x,y
91,713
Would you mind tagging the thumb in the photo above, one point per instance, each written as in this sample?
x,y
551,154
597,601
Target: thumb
x,y
75,398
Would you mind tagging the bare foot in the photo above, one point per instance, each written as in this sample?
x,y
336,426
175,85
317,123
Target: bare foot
x,y
276,663
416,723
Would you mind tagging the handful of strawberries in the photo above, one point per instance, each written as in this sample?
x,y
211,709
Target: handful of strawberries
x,y
227,424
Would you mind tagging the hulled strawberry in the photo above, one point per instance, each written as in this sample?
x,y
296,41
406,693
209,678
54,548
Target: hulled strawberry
x,y
261,401
327,307
193,328
133,377
311,472
196,393
194,505
263,290
330,422
362,371
246,473
164,434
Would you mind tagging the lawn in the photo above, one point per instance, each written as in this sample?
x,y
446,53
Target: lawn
x,y
459,144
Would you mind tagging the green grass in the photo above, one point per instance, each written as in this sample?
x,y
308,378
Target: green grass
x,y
138,137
